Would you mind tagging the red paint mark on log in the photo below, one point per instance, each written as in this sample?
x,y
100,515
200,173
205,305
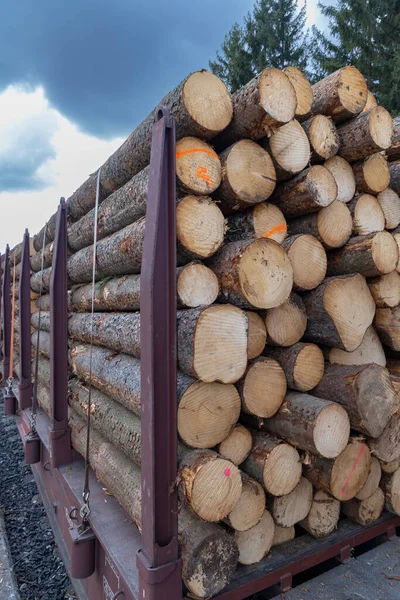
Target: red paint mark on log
x,y
227,472
359,455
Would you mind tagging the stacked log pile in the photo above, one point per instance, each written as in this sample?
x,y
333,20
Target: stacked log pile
x,y
289,301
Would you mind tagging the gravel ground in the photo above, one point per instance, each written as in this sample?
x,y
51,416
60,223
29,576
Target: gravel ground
x,y
38,568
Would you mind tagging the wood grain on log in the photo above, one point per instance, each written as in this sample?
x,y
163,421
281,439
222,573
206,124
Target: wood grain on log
x,y
394,151
332,225
324,515
391,487
294,507
367,213
289,148
198,168
302,363
344,177
308,259
371,101
263,387
372,483
369,351
264,220
341,95
257,335
385,289
323,137
250,506
370,132
365,511
286,323
283,535
390,204
370,255
387,325
237,445
255,543
302,88
386,447
372,173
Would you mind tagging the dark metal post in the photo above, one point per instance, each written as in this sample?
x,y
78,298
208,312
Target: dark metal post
x,y
1,302
25,383
158,561
60,438
6,315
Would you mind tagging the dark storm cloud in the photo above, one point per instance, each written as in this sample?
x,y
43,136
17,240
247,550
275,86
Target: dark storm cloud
x,y
106,63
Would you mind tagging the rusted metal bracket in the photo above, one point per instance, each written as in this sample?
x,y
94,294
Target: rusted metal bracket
x,y
25,380
160,572
59,433
286,582
6,316
346,554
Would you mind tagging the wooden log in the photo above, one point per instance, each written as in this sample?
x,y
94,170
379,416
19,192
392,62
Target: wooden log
x,y
294,507
196,538
196,285
370,132
283,535
248,176
201,106
390,484
274,464
393,152
264,220
323,517
396,235
332,225
390,204
331,309
302,363
372,483
367,511
263,387
367,213
289,148
323,137
308,259
312,424
390,467
207,413
258,106
369,351
302,88
372,173
253,273
256,336
209,484
255,543
344,177
358,388
250,506
395,176
36,259
286,323
41,280
198,168
387,325
371,101
341,95
385,289
237,445
44,342
386,447
343,477
370,255
308,192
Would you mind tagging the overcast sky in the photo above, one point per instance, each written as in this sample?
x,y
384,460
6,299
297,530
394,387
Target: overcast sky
x,y
76,78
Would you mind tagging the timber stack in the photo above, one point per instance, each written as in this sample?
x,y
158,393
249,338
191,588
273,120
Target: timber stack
x,y
288,289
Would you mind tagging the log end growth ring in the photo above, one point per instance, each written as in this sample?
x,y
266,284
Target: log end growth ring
x,y
282,470
332,431
350,471
381,127
335,224
309,262
257,335
344,177
269,222
251,172
198,167
323,136
197,286
224,479
322,185
308,368
256,542
264,387
290,147
303,90
208,102
200,225
385,252
353,91
376,172
277,95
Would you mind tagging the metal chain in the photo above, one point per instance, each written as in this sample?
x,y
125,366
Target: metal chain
x,y
85,509
35,383
10,378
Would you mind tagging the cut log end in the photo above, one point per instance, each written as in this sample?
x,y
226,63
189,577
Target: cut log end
x,y
220,344
344,177
396,237
273,86
352,90
381,127
308,260
308,368
385,252
286,323
294,507
350,471
369,351
206,413
366,511
391,488
250,507
237,445
269,222
334,225
386,447
302,88
208,102
198,167
385,290
257,335
197,286
256,542
290,148
390,204
282,470
283,535
323,516
373,174
322,185
264,388
390,467
323,137
372,483
200,225
332,430
368,215
371,101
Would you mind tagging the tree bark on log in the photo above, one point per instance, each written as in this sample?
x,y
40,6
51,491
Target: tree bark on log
x,y
44,342
387,325
323,136
255,543
372,483
308,259
263,387
258,106
332,225
367,213
289,148
248,176
393,152
371,255
390,467
36,259
395,176
250,506
302,88
390,485
344,177
308,192
294,507
331,309
343,477
370,132
257,335
367,511
323,517
390,204
369,351
253,273
274,464
264,220
372,174
237,445
385,290
201,106
386,447
366,393
341,95
286,323
38,283
302,363
197,539
312,424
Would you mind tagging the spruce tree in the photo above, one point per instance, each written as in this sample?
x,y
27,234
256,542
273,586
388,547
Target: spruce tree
x,y
233,66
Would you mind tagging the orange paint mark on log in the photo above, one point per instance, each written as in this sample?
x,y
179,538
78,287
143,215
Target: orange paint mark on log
x,y
194,150
202,173
346,483
276,229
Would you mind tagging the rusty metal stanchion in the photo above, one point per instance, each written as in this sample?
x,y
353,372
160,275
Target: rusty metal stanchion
x,y
25,380
158,561
9,398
